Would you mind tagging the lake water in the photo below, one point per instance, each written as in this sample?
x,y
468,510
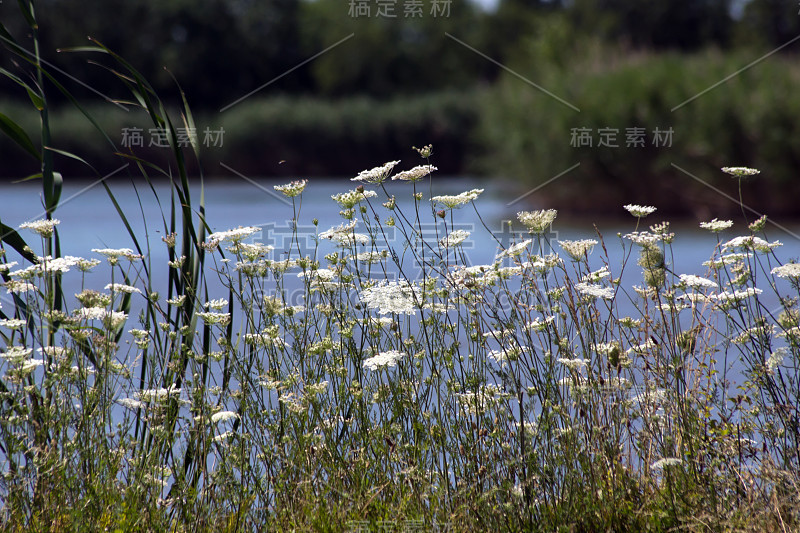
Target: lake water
x,y
89,220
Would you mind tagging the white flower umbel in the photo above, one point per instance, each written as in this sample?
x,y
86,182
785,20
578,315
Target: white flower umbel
x,y
458,200
751,242
233,235
697,282
787,271
223,416
716,226
740,172
537,221
574,364
42,227
596,291
640,211
377,174
389,358
290,190
391,297
577,250
121,287
350,199
415,174
514,250
455,238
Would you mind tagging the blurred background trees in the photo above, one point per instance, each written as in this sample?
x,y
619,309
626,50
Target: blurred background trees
x,y
406,80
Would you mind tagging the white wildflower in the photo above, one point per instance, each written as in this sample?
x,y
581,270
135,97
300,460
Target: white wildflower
x,y
232,235
377,174
121,287
751,242
789,270
458,200
577,250
130,403
224,416
223,319
391,297
573,364
415,174
290,190
697,282
596,291
42,227
514,250
640,211
537,221
716,226
740,172
388,358
216,305
350,199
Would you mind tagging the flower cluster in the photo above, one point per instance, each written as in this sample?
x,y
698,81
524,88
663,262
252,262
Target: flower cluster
x,y
458,200
537,221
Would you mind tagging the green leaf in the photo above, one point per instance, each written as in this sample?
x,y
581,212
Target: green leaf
x,y
11,237
19,136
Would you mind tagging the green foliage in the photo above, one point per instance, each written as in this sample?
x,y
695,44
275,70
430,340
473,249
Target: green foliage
x,y
528,136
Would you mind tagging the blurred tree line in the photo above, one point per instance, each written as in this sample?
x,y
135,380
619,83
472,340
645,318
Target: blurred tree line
x,y
220,50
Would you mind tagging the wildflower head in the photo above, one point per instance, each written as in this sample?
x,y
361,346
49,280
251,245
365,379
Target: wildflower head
x,y
578,250
740,172
42,227
425,152
537,221
640,211
290,190
716,226
415,174
377,174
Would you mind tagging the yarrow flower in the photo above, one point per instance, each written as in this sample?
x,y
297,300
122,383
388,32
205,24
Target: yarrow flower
x,y
789,270
290,190
640,211
537,221
740,172
415,174
389,358
458,200
42,227
377,174
716,225
577,250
